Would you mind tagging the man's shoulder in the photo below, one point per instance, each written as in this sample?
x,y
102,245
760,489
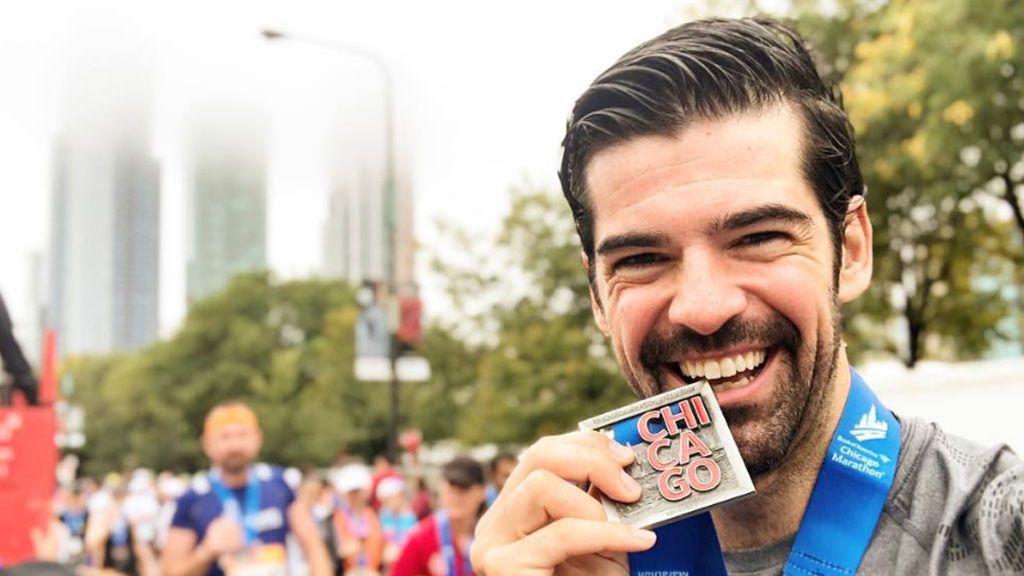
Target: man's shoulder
x,y
935,467
197,506
199,489
955,505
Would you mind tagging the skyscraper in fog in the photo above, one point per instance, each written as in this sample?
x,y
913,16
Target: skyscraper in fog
x,y
356,242
226,167
105,212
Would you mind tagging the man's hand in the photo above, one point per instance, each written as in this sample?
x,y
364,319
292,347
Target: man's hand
x,y
224,536
542,524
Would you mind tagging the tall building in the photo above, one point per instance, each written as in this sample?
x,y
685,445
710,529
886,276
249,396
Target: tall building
x,y
355,243
226,165
356,237
105,212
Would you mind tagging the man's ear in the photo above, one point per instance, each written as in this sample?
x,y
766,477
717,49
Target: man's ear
x,y
595,303
856,268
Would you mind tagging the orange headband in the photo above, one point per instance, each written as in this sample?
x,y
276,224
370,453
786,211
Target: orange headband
x,y
231,414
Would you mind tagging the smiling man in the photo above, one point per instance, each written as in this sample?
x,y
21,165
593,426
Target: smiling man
x,y
714,183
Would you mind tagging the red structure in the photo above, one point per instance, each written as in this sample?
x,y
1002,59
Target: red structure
x,y
28,463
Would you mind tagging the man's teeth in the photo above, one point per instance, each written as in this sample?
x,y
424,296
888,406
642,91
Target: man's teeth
x,y
726,367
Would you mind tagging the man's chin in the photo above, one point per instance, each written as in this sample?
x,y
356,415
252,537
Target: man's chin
x,y
235,465
763,447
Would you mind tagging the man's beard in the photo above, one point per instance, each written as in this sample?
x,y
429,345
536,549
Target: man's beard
x,y
234,463
766,434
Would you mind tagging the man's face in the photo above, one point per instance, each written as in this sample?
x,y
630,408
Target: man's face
x,y
461,503
713,259
232,447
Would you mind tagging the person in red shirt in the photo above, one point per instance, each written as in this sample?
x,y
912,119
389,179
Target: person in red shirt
x,y
383,468
439,545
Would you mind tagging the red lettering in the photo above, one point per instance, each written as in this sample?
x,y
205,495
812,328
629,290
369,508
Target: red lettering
x,y
701,410
654,459
690,444
672,420
714,475
673,485
644,428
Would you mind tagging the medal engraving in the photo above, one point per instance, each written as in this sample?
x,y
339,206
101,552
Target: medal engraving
x,y
686,459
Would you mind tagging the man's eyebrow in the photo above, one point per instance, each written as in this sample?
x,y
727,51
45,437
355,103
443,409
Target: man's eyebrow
x,y
633,240
758,215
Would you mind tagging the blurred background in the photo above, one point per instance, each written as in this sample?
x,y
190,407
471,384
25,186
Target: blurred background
x,y
347,214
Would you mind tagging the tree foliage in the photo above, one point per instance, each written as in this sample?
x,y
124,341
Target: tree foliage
x,y
286,349
540,363
935,94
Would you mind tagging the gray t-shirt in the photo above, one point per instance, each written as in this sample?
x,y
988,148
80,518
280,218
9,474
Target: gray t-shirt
x,y
954,508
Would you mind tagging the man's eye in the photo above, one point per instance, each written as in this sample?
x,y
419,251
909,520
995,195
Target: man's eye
x,y
761,238
637,261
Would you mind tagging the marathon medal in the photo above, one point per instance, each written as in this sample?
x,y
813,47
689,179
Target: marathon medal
x,y
686,459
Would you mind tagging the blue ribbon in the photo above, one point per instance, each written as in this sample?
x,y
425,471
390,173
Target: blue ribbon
x,y
231,507
447,539
841,515
851,489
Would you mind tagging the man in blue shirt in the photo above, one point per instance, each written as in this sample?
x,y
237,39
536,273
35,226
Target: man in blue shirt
x,y
235,520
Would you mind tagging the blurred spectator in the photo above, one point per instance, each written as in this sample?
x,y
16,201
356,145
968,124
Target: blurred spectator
x,y
316,497
100,496
383,468
439,545
360,543
501,468
238,516
114,542
396,518
168,489
141,507
421,501
52,543
74,516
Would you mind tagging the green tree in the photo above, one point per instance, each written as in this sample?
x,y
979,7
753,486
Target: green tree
x,y
286,349
935,96
928,92
540,363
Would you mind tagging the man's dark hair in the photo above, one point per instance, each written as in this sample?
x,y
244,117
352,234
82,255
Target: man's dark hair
x,y
708,70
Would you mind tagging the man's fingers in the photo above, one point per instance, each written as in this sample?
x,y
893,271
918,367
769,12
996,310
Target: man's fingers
x,y
568,537
539,499
545,549
581,457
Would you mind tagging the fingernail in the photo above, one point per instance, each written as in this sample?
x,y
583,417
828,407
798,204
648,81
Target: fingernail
x,y
646,537
629,483
621,452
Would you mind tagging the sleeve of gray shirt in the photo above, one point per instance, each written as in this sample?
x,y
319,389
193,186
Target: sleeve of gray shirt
x,y
956,508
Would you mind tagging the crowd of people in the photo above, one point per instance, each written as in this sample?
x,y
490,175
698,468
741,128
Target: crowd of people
x,y
247,518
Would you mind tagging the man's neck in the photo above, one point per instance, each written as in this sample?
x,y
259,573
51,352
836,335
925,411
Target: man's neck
x,y
775,511
234,479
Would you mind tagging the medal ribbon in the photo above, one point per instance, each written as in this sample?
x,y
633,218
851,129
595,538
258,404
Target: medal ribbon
x,y
229,503
447,539
841,515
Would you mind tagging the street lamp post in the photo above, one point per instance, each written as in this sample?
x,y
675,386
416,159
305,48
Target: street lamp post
x,y
390,208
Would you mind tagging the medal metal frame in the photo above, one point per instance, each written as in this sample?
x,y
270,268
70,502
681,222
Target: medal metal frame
x,y
654,510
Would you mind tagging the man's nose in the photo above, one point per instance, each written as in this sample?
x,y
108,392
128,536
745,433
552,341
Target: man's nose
x,y
706,296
